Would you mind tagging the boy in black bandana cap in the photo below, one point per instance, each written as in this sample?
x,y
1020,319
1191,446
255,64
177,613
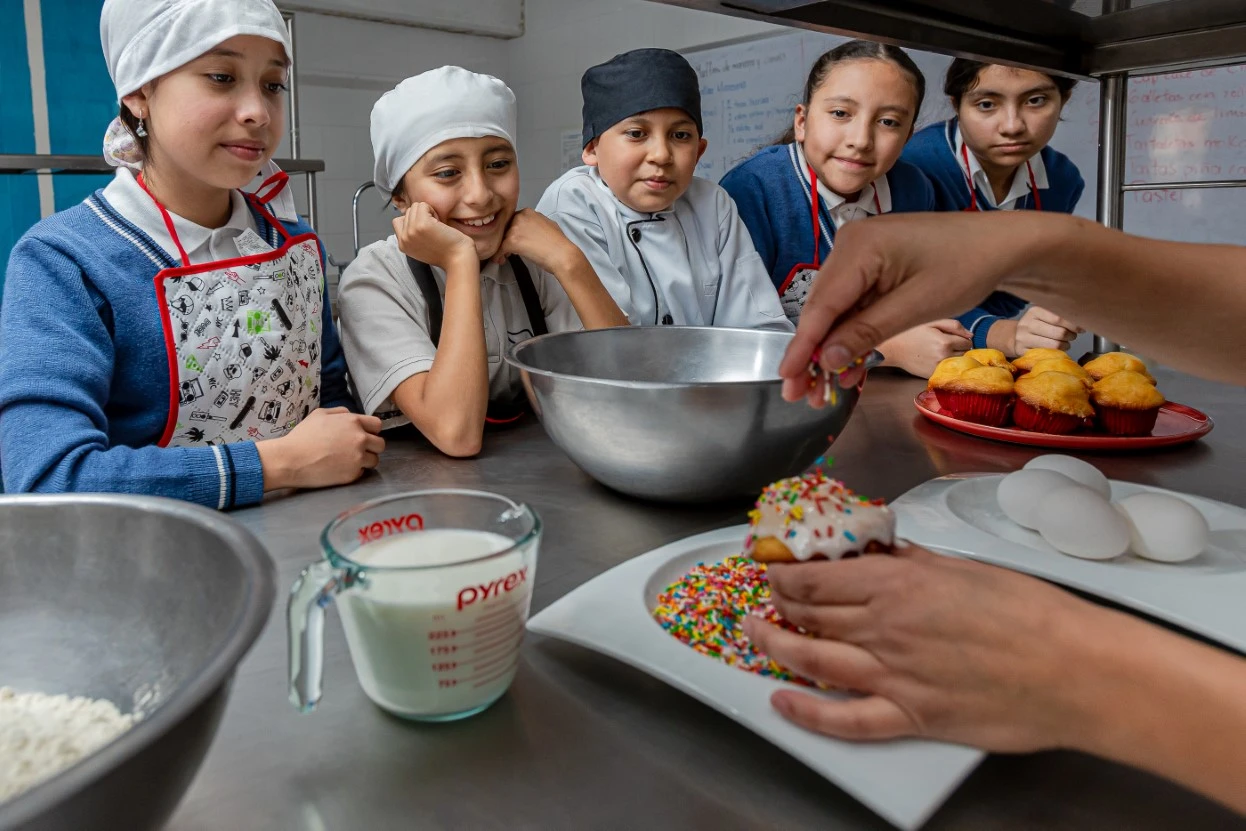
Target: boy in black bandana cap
x,y
670,248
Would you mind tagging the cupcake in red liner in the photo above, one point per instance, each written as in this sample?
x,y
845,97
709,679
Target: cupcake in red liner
x,y
1068,365
1112,362
993,357
1126,404
1052,402
1024,363
981,394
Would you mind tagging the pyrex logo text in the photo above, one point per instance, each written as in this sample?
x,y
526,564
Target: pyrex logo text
x,y
386,527
496,588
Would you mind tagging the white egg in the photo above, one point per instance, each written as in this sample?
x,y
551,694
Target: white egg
x,y
1020,492
1081,472
1081,523
1163,527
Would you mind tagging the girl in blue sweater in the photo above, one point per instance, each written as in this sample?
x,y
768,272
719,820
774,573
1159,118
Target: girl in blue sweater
x,y
171,335
841,162
994,155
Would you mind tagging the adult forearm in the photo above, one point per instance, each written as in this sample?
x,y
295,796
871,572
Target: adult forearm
x,y
1181,302
1164,703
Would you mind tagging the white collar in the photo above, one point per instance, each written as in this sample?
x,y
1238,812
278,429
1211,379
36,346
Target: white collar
x,y
840,208
1020,187
129,199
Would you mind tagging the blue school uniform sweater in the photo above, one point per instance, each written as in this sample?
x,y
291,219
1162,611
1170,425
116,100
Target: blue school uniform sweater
x,y
84,374
773,199
933,149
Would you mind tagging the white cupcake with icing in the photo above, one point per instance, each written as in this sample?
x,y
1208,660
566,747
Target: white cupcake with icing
x,y
814,516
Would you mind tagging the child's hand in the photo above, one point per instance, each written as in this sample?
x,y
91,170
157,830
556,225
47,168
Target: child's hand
x,y
329,447
1041,329
424,237
538,238
920,349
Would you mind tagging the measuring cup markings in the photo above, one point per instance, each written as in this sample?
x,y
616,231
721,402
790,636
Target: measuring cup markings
x,y
497,642
485,632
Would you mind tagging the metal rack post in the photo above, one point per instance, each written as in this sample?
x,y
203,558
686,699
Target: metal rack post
x,y
1113,102
296,139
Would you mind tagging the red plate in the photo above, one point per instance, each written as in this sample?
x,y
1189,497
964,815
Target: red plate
x,y
1177,424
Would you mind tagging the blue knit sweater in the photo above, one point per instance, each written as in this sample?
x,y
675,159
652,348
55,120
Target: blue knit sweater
x,y
933,150
773,199
84,377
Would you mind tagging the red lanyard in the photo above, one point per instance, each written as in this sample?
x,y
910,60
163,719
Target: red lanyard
x,y
817,223
973,191
256,203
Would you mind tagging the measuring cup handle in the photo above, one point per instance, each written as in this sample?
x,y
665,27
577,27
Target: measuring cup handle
x,y
314,589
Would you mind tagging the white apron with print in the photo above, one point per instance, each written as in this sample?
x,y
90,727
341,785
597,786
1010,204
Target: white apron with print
x,y
243,339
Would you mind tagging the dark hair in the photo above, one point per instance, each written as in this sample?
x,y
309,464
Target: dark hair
x,y
131,124
858,50
962,76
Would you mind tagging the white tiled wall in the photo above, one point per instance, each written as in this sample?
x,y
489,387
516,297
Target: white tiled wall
x,y
345,65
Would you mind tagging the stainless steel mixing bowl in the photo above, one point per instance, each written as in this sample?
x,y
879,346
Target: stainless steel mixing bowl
x,y
675,413
146,602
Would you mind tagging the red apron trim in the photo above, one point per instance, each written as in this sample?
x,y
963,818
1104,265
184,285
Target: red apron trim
x,y
168,221
973,191
277,182
816,222
188,269
254,259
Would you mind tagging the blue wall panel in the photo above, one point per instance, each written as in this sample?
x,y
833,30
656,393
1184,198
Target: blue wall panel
x,y
81,99
19,195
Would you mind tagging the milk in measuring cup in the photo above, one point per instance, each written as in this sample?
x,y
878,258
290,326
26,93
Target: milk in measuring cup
x,y
443,637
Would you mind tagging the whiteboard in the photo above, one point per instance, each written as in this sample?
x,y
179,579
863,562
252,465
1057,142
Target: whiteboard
x,y
1181,126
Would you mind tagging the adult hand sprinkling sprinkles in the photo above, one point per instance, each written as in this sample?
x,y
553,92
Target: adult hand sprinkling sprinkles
x,y
824,386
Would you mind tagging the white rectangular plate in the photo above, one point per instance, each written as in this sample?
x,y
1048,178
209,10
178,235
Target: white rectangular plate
x,y
959,515
903,781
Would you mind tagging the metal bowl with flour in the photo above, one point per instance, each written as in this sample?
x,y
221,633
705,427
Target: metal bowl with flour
x,y
676,413
145,602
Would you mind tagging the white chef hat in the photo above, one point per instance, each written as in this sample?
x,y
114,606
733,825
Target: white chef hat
x,y
145,39
432,107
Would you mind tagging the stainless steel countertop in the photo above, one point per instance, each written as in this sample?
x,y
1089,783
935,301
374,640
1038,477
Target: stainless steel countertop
x,y
584,742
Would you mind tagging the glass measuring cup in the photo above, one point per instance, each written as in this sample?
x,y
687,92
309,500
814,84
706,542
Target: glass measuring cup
x,y
433,588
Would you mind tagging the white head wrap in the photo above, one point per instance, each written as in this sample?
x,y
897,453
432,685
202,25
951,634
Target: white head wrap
x,y
145,39
436,106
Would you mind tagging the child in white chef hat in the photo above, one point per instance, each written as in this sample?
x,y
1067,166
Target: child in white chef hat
x,y
171,335
428,314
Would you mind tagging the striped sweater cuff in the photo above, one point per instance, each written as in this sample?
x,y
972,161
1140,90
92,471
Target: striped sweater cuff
x,y
980,328
248,481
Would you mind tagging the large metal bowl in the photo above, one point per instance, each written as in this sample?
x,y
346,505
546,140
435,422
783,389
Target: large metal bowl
x,y
146,602
675,413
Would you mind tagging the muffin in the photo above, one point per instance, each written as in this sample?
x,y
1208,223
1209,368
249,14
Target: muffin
x,y
981,394
991,357
1053,402
1110,362
1126,403
1068,365
1032,356
816,517
949,368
